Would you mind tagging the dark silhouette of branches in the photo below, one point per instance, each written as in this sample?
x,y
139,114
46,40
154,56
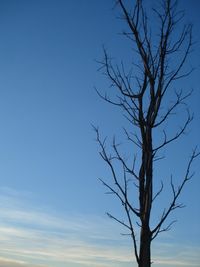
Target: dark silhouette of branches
x,y
144,99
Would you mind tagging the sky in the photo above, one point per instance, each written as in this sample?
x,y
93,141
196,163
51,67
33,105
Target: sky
x,y
52,205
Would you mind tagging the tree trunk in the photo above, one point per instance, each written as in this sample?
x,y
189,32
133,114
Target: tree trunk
x,y
145,247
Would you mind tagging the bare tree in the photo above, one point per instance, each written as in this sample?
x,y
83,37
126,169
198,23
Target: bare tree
x,y
144,94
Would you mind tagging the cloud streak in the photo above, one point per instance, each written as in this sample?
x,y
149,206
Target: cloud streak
x,y
29,235
38,238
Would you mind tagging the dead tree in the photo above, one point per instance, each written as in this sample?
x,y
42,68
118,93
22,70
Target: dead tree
x,y
143,95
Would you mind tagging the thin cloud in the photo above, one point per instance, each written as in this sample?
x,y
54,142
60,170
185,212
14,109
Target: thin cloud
x,y
174,254
47,239
15,263
39,237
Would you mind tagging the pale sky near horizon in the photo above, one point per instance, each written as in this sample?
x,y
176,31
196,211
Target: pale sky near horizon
x,y
52,206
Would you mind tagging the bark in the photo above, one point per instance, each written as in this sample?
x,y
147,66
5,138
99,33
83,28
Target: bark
x,y
146,200
145,247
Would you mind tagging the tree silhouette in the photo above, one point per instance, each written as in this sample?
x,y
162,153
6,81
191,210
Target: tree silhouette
x,y
144,94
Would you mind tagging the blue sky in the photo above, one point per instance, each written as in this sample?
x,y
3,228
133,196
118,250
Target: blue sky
x,y
52,206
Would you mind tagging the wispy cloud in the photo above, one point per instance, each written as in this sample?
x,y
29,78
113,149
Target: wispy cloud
x,y
30,235
36,237
15,263
175,254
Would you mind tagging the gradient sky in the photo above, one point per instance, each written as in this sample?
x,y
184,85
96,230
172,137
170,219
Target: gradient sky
x,y
52,206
